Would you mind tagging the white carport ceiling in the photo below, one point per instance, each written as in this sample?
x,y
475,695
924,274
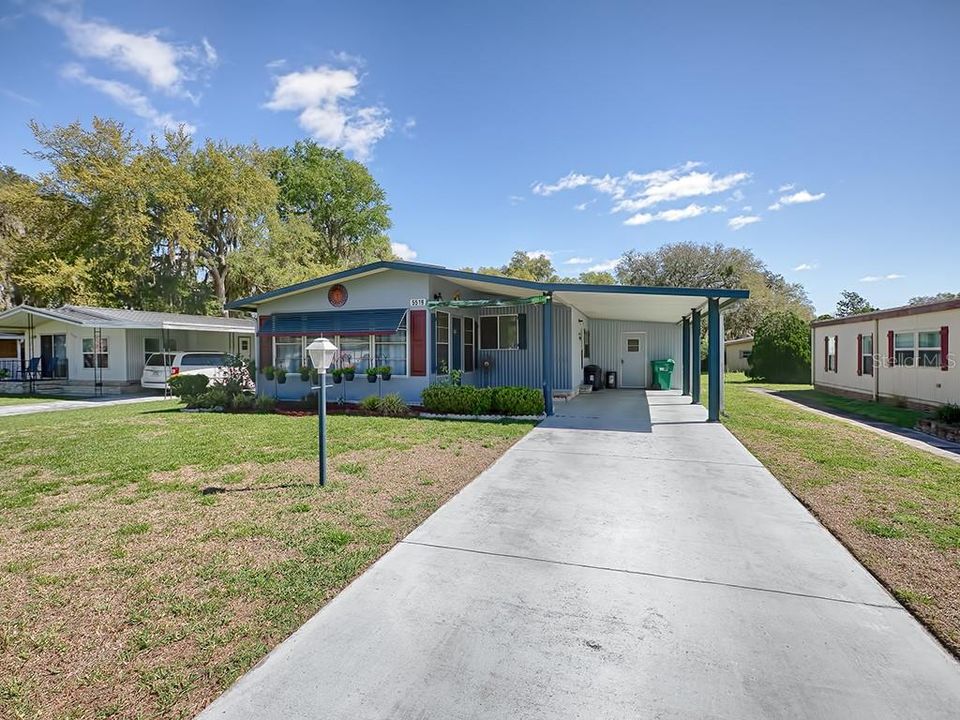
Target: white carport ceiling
x,y
649,308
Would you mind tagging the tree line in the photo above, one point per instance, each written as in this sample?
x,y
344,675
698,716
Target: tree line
x,y
175,226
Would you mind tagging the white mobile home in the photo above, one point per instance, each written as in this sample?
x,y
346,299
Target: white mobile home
x,y
904,353
93,350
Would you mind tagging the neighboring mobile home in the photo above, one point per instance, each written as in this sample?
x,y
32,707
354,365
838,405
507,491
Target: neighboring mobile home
x,y
425,321
93,350
737,354
903,353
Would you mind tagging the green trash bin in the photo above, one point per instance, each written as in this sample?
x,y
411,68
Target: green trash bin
x,y
662,371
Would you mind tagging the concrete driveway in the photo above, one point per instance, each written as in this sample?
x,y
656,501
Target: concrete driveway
x,y
624,560
77,404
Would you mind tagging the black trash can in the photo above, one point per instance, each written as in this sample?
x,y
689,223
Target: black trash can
x,y
593,377
611,379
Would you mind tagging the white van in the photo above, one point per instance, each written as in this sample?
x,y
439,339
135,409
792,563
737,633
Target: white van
x,y
159,369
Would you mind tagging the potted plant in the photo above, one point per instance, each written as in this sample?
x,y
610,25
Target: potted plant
x,y
337,375
348,372
315,376
385,372
372,374
269,372
304,373
281,375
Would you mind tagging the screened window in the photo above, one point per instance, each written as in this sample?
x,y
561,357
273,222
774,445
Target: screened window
x,y
443,343
469,344
288,353
904,349
499,332
391,350
866,355
929,349
152,345
96,356
831,354
355,351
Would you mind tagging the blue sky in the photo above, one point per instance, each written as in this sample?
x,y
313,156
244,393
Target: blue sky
x,y
821,135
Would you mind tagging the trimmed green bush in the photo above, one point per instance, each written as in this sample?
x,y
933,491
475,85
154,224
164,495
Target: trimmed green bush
x,y
781,349
188,387
517,401
468,400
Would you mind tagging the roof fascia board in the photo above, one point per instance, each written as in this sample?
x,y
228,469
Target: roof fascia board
x,y
902,311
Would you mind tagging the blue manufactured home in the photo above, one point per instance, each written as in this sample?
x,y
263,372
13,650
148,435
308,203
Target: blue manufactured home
x,y
424,321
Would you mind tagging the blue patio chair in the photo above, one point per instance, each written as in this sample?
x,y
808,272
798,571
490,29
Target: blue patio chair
x,y
32,371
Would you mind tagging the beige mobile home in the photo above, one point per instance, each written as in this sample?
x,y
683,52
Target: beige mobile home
x,y
905,353
737,354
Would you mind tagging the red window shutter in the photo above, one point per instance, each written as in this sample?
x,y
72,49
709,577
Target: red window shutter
x,y
418,342
826,353
944,347
890,347
266,344
836,353
859,354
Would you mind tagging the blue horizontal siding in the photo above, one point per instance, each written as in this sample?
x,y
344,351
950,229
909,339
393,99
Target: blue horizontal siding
x,y
331,322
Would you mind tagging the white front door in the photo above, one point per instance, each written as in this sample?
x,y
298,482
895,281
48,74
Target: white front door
x,y
633,360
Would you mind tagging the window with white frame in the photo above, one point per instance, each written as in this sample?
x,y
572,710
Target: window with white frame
x,y
928,347
904,349
469,344
866,355
499,332
831,354
391,350
355,351
96,354
443,343
288,352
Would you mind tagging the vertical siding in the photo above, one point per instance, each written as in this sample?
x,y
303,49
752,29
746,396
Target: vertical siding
x,y
664,341
525,367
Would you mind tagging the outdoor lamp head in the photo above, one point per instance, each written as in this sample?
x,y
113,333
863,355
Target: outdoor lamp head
x,y
322,353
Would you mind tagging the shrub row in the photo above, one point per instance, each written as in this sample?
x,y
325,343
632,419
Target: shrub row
x,y
948,414
469,400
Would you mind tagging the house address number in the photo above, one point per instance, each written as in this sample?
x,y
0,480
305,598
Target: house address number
x,y
418,302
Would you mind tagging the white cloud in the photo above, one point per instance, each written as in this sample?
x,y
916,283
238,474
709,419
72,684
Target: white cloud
x,y
26,100
747,208
584,205
578,261
403,251
880,278
741,221
164,65
803,267
787,187
129,97
534,254
605,266
797,198
276,64
408,126
673,215
322,96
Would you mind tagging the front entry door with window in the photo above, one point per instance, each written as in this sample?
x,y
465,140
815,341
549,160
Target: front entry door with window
x,y
633,360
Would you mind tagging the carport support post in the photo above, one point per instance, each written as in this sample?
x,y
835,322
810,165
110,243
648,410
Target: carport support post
x,y
686,356
548,354
713,359
694,357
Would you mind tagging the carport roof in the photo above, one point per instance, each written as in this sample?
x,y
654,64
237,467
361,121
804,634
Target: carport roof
x,y
19,318
615,302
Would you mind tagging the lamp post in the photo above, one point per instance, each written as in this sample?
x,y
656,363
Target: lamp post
x,y
322,353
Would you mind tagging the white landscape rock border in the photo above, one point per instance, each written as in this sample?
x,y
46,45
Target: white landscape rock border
x,y
483,418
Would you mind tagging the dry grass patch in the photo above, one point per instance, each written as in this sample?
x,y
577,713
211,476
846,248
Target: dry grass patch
x,y
127,592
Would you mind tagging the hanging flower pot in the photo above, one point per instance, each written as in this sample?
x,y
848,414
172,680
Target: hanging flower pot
x,y
281,375
348,374
386,372
372,374
305,373
269,373
337,375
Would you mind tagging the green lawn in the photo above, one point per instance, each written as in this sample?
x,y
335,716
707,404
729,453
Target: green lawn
x,y
895,507
24,399
125,591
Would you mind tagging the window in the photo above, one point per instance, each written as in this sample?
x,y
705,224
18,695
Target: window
x,y
929,346
866,355
469,344
288,353
355,351
904,349
96,356
633,345
152,345
745,354
586,343
499,332
443,343
391,350
831,354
